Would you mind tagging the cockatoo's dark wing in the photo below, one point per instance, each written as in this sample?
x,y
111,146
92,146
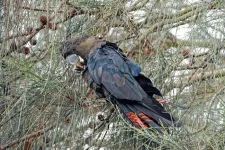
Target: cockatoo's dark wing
x,y
108,68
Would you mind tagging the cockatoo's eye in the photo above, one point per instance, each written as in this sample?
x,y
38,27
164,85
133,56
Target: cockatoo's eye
x,y
72,59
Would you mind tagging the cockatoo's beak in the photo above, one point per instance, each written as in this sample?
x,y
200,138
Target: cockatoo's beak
x,y
80,64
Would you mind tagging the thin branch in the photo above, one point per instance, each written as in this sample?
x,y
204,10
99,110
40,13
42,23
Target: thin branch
x,y
40,9
98,126
75,12
137,5
199,77
33,135
197,55
190,67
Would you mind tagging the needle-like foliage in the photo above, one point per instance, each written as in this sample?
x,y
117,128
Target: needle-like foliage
x,y
45,104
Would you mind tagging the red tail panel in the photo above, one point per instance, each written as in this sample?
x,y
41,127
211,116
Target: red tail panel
x,y
136,120
145,117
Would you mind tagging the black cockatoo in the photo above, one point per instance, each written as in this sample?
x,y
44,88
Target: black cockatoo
x,y
119,79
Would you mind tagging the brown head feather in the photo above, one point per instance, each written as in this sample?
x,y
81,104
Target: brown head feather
x,y
81,46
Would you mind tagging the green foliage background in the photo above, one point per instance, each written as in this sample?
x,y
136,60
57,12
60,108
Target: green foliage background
x,y
43,100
